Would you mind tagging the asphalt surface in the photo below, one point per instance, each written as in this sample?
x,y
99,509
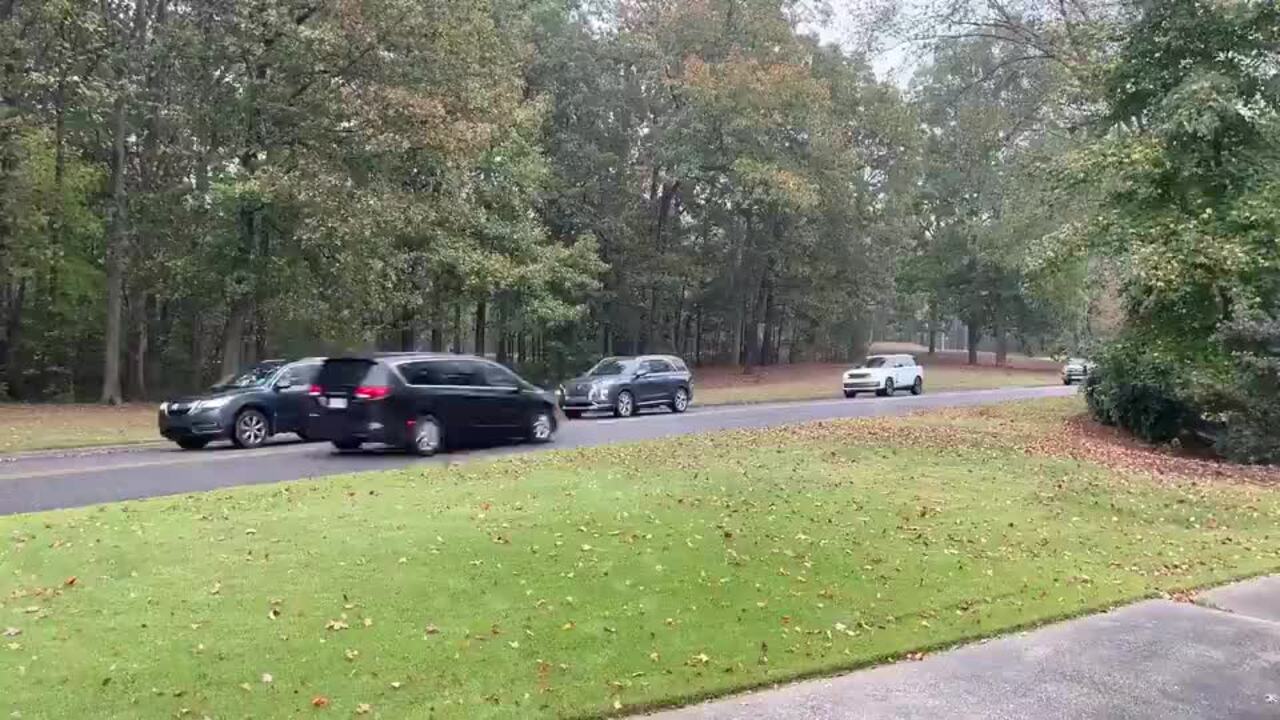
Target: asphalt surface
x,y
31,483
1152,660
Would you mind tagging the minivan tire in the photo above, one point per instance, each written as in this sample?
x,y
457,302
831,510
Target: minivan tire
x,y
428,437
542,426
251,429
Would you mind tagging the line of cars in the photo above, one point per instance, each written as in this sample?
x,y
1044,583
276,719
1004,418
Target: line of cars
x,y
421,402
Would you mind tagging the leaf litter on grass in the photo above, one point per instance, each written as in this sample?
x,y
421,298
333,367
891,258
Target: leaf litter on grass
x,y
716,562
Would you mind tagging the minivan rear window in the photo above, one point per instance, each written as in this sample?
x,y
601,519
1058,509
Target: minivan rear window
x,y
350,372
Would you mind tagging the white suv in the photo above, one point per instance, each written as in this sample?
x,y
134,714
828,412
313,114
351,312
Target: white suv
x,y
885,374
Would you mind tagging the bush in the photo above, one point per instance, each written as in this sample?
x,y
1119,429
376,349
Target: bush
x,y
1247,398
1135,388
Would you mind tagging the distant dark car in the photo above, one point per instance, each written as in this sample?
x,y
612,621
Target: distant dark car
x,y
425,402
268,399
623,385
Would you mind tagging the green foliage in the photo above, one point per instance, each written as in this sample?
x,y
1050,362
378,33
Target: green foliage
x,y
1136,387
1247,397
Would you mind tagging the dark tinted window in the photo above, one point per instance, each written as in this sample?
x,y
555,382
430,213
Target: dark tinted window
x,y
423,372
257,375
657,365
350,372
875,362
498,376
458,372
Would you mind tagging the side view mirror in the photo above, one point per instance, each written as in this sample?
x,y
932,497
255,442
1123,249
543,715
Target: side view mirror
x,y
641,373
284,384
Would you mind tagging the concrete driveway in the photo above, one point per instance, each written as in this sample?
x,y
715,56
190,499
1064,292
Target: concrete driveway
x,y
1155,659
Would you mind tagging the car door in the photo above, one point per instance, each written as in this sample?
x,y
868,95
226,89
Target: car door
x,y
501,400
292,396
647,386
444,390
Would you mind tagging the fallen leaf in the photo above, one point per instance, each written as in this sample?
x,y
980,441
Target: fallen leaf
x,y
319,701
336,625
245,687
351,654
368,622
617,704
217,588
266,678
363,709
431,630
396,685
12,632
70,581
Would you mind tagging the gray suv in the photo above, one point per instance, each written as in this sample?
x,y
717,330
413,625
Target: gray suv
x,y
624,385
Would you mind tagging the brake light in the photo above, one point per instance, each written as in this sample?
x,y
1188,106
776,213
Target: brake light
x,y
315,391
372,392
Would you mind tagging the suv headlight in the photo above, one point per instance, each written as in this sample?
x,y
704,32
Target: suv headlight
x,y
597,393
212,404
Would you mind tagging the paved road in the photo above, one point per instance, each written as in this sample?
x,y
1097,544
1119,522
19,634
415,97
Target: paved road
x,y
1154,660
44,482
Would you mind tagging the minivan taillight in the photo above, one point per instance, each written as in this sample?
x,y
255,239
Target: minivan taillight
x,y
372,392
315,391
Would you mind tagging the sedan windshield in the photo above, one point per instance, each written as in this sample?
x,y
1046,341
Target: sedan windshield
x,y
609,366
255,376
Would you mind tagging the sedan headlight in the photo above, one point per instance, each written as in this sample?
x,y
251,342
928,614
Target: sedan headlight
x,y
211,404
164,408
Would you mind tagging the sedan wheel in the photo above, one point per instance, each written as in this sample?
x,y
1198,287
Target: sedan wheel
x,y
192,443
918,386
427,437
250,430
541,427
625,406
680,402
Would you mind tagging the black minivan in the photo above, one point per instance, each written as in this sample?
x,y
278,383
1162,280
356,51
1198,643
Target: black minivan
x,y
425,401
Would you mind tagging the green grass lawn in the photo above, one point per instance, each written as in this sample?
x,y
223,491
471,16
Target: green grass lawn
x,y
810,387
51,426
595,581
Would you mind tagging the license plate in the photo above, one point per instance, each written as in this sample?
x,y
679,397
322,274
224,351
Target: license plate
x,y
337,403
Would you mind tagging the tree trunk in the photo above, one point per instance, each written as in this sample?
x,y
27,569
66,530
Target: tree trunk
x,y
138,350
199,348
233,337
1002,345
481,320
408,333
117,217
457,327
13,328
975,336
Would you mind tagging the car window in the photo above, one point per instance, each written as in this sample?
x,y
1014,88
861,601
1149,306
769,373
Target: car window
x,y
300,374
257,375
423,372
875,362
610,366
656,365
498,376
679,365
350,372
460,372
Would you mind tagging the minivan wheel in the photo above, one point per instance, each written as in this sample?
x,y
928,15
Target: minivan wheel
x,y
428,437
250,429
917,387
887,390
625,406
542,427
680,402
192,443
